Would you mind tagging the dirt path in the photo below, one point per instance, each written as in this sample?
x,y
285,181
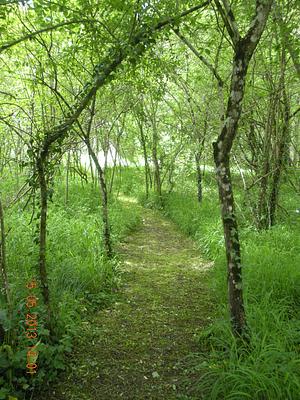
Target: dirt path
x,y
138,348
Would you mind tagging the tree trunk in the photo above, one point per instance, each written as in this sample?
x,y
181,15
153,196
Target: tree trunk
x,y
5,284
104,200
232,244
43,238
147,169
244,48
263,207
221,156
170,177
67,178
157,178
282,147
199,177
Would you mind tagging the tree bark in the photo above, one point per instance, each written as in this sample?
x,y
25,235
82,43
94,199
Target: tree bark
x,y
104,200
263,206
152,114
147,168
102,183
41,162
67,177
157,179
199,177
243,51
282,146
3,267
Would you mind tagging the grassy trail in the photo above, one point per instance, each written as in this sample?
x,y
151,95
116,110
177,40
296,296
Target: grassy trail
x,y
138,348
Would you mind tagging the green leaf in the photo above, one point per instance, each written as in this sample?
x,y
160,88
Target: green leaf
x,y
3,393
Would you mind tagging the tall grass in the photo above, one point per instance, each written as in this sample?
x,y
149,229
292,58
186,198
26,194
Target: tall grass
x,y
269,368
80,277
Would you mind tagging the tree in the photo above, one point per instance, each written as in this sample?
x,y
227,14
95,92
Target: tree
x,y
243,48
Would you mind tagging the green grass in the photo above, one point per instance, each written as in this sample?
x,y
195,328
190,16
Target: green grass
x,y
268,369
138,346
80,278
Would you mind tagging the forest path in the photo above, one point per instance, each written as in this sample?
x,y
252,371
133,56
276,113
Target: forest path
x,y
137,349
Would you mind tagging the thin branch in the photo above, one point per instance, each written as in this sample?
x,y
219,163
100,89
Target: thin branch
x,y
294,113
287,39
9,2
104,70
33,34
201,57
229,21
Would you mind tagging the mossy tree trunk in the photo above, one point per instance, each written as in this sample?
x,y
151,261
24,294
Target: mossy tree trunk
x,y
104,200
243,51
42,267
146,158
157,177
282,145
3,268
199,176
102,184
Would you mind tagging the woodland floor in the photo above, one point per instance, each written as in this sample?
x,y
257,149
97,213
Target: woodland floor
x,y
139,347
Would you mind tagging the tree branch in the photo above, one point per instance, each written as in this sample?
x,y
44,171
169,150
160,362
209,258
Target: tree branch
x,y
104,71
201,58
33,34
229,21
287,39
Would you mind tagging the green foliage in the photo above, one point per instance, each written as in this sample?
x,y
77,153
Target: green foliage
x,y
81,279
129,181
161,103
269,367
153,200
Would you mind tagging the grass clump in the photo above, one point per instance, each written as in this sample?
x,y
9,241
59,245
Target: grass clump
x,y
81,279
269,367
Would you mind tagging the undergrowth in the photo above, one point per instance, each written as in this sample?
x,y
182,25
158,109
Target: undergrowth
x,y
81,279
269,368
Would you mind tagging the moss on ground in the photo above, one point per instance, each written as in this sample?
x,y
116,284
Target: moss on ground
x,y
139,348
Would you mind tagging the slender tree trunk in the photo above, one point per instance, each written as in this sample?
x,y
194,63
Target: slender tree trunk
x,y
102,183
244,48
232,244
263,208
147,169
43,238
67,178
282,147
199,177
105,159
111,183
104,199
157,178
3,267
170,177
92,172
112,179
198,156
